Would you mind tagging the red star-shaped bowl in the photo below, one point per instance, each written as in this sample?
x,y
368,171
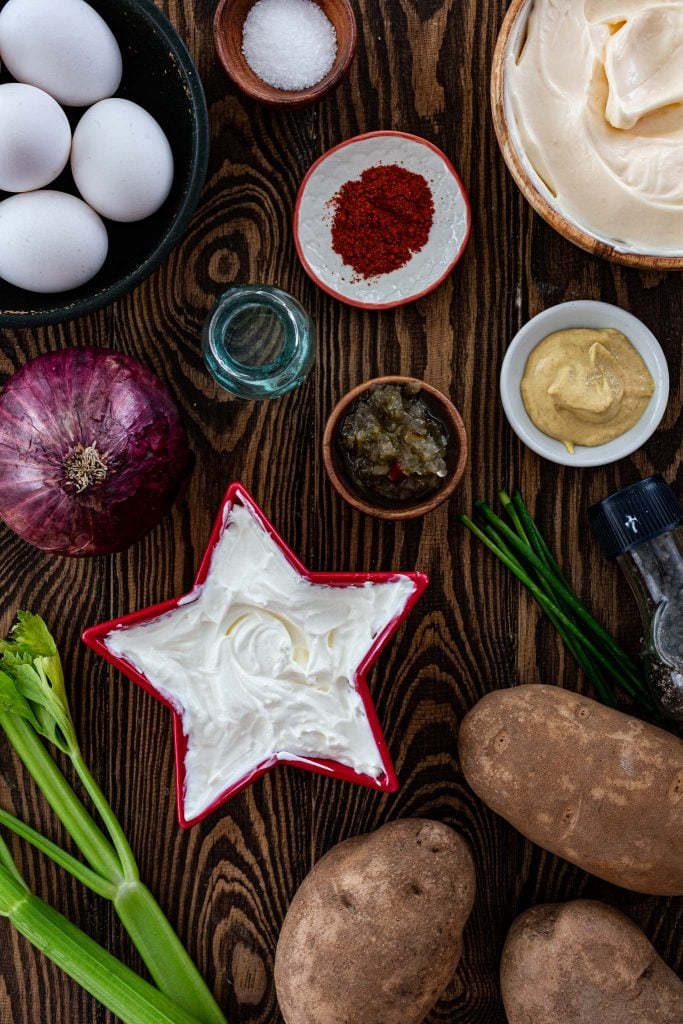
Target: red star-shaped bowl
x,y
95,638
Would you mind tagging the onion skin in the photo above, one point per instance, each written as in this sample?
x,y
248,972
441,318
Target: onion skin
x,y
89,397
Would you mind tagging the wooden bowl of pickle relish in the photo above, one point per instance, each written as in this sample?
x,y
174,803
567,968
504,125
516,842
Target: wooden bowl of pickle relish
x,y
395,448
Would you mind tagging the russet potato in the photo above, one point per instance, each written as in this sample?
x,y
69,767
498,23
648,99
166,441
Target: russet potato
x,y
585,963
375,931
590,784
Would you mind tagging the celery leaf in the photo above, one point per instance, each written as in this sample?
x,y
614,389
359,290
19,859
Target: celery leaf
x,y
12,702
31,661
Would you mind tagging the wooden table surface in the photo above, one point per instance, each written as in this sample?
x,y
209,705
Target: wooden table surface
x,y
422,66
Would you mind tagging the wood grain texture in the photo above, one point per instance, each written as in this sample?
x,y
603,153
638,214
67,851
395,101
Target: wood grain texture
x,y
422,66
230,19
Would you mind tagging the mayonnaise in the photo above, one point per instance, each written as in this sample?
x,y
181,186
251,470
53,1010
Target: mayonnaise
x,y
596,95
261,663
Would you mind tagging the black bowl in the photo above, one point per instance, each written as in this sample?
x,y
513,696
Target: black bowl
x,y
158,73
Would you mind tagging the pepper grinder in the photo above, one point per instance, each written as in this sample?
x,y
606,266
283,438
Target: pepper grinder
x,y
640,527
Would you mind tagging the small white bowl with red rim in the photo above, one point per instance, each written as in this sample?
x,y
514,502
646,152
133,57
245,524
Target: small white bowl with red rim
x,y
427,269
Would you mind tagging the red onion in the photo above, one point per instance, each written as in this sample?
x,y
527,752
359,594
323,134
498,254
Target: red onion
x,y
93,452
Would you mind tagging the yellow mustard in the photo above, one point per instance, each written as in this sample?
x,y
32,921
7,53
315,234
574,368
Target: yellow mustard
x,y
585,386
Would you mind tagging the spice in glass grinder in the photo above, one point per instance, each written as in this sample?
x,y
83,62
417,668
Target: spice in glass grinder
x,y
642,528
381,219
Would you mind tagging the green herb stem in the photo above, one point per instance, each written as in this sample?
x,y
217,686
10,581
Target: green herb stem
x,y
157,943
573,646
133,1000
34,696
166,958
75,818
529,533
536,537
511,510
562,590
121,845
538,543
75,867
7,862
543,551
551,607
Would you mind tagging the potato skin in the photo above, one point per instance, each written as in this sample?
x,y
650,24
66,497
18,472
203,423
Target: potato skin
x,y
590,784
585,963
375,931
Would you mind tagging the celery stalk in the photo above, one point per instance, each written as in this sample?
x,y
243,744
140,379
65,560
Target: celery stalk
x,y
71,812
33,698
113,984
168,961
122,846
75,867
166,958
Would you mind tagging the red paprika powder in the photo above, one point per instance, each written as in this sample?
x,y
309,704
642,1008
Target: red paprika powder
x,y
381,219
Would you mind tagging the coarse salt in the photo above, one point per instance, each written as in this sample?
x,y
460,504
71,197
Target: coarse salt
x,y
290,44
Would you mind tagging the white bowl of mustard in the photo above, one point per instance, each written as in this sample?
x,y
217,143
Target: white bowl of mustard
x,y
581,315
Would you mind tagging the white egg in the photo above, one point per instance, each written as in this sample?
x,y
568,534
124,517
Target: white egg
x,y
35,138
50,241
121,161
61,46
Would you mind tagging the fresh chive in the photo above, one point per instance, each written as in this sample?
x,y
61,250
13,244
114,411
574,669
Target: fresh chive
x,y
550,606
566,626
535,536
546,554
570,642
528,532
511,510
562,590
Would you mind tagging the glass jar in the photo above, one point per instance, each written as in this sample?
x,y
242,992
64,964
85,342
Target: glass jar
x,y
641,528
258,342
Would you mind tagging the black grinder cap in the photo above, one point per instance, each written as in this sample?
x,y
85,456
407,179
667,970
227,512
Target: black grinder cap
x,y
635,515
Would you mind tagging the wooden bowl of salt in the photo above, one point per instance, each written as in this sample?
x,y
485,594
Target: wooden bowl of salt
x,y
282,89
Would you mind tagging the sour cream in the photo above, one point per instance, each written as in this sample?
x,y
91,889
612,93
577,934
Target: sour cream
x,y
261,663
595,90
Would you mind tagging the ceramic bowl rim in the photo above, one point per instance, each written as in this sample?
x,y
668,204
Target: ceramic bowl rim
x,y
580,313
379,306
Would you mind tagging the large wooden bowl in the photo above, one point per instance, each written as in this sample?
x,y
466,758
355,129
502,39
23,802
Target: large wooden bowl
x,y
509,34
457,436
228,32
